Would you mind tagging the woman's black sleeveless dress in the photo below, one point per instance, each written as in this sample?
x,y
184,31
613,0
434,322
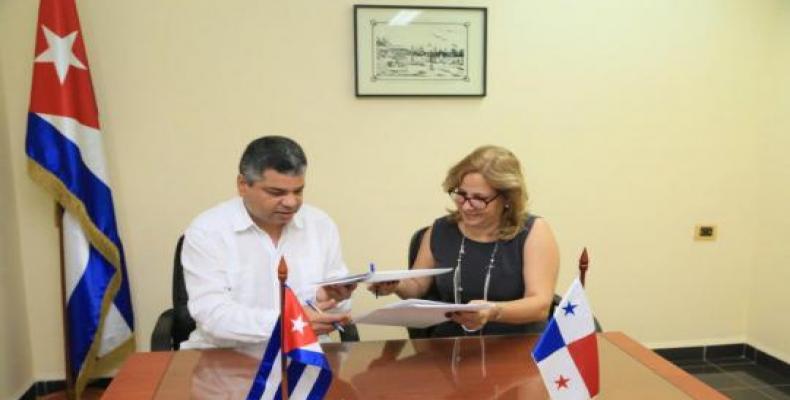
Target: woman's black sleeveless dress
x,y
506,282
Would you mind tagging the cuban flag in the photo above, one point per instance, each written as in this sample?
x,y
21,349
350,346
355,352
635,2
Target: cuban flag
x,y
65,156
567,352
308,373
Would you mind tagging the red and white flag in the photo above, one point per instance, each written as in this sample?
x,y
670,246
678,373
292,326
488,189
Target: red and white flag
x,y
66,157
567,352
308,373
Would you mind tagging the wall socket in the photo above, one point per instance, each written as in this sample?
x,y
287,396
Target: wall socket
x,y
705,232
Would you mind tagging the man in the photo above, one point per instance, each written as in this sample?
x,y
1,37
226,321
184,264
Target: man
x,y
231,253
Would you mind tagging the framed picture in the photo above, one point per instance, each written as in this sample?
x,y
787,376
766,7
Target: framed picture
x,y
420,51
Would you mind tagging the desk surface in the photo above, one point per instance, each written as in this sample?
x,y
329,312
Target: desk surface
x,y
474,368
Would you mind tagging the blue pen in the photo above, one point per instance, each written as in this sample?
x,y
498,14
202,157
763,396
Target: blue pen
x,y
316,309
373,271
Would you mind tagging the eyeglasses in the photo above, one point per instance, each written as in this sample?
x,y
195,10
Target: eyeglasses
x,y
460,197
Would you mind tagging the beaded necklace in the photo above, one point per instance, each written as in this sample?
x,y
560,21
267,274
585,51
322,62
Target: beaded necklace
x,y
457,288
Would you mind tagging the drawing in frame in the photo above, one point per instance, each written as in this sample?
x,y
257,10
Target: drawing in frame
x,y
420,50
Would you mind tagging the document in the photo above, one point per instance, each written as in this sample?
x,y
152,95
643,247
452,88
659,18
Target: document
x,y
387,276
415,313
384,276
345,280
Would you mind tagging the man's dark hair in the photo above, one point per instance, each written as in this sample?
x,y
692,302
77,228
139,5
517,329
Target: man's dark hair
x,y
272,152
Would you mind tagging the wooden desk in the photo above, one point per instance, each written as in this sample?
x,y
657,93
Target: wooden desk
x,y
466,368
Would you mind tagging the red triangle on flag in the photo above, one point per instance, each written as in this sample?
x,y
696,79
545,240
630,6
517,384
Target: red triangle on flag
x,y
296,324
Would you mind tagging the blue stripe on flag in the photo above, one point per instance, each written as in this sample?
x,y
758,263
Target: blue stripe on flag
x,y
549,342
309,357
60,156
123,299
295,370
267,365
321,385
84,307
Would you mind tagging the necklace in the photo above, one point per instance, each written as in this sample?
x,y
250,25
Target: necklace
x,y
457,288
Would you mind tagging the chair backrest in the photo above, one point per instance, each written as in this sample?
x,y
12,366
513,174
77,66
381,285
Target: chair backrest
x,y
414,244
183,323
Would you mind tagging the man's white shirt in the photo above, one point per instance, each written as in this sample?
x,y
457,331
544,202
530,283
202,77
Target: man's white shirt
x,y
230,271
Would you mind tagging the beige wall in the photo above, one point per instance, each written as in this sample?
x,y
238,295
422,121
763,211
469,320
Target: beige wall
x,y
16,362
769,326
634,120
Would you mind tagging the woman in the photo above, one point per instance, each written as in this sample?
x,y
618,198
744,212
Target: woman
x,y
499,254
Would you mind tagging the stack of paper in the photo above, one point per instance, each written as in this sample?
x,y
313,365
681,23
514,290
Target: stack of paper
x,y
415,313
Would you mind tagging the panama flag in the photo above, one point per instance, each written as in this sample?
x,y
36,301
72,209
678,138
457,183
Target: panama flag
x,y
65,156
567,352
309,375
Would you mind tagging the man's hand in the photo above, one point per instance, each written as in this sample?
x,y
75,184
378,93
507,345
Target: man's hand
x,y
322,322
336,292
383,288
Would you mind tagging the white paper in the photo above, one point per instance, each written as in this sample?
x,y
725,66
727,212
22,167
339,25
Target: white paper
x,y
384,276
344,280
415,313
387,276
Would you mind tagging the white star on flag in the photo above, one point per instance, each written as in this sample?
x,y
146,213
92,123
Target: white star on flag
x,y
299,325
60,53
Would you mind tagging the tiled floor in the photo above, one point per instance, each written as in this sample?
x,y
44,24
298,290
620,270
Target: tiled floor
x,y
739,378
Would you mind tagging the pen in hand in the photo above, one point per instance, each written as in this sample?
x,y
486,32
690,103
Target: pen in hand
x,y
373,271
318,310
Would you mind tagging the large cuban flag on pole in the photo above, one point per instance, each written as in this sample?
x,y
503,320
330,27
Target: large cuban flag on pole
x,y
567,352
308,373
66,157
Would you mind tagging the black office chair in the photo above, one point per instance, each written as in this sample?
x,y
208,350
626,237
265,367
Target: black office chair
x,y
433,294
175,324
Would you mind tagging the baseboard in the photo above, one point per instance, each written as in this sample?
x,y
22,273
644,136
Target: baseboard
x,y
43,388
21,392
698,342
725,351
782,355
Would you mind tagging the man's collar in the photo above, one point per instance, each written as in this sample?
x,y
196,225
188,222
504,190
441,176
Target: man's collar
x,y
242,220
298,219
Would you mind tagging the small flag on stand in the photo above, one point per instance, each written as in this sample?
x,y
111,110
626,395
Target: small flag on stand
x,y
308,373
567,352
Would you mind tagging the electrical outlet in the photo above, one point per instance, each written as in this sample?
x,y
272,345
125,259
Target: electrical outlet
x,y
705,232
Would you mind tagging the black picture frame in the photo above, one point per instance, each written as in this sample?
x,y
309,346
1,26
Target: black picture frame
x,y
420,50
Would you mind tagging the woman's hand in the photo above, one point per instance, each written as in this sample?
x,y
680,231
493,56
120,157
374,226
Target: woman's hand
x,y
476,320
383,288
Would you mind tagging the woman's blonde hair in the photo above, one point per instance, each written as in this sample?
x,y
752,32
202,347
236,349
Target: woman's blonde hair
x,y
501,169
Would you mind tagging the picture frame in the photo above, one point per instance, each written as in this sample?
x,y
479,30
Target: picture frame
x,y
420,50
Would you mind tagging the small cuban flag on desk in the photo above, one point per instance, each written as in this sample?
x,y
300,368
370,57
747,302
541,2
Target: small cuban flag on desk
x,y
308,373
567,352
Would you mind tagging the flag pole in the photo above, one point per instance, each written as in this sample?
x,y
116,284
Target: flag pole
x,y
70,384
282,276
584,263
